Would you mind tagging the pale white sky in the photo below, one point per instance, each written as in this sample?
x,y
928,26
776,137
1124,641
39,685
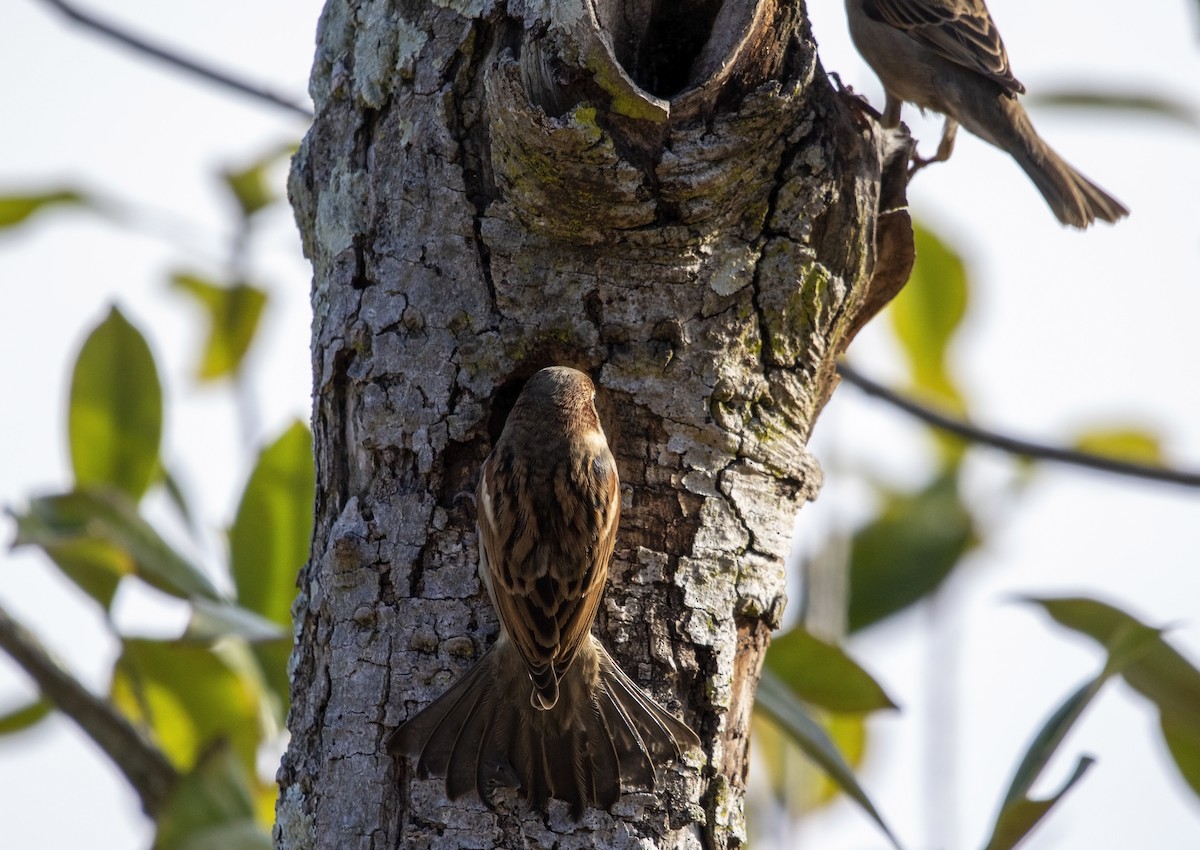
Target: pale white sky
x,y
1064,330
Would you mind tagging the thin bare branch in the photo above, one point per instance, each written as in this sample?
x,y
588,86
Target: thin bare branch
x,y
1013,445
146,768
171,57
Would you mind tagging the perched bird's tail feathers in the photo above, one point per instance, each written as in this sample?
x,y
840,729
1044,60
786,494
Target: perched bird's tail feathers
x,y
1074,200
603,731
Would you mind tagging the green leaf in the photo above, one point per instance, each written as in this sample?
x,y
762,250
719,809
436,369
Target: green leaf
x,y
97,535
823,674
1019,814
1159,673
115,417
1123,443
212,808
233,314
778,702
252,186
269,541
15,209
1125,646
189,697
799,786
1017,819
178,499
270,536
1183,740
906,552
927,313
214,620
1153,104
96,566
25,717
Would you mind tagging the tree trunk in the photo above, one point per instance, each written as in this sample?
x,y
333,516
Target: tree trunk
x,y
668,196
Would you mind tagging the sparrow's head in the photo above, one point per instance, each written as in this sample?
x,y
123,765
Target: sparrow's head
x,y
557,397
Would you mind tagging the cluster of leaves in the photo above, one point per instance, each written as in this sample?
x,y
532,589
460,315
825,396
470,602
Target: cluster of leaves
x,y
813,694
207,702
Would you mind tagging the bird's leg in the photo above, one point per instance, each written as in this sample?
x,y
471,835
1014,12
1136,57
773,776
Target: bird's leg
x,y
891,111
945,148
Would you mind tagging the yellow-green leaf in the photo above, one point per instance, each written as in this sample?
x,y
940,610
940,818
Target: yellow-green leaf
x,y
96,566
1122,443
213,808
25,717
233,314
823,674
779,703
928,311
115,416
15,209
1182,735
190,696
270,538
1019,813
270,535
1161,674
800,785
252,186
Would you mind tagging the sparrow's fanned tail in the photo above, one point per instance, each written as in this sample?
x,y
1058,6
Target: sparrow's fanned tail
x,y
602,733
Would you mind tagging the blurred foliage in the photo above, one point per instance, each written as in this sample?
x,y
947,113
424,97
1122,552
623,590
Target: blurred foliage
x,y
1159,673
252,186
926,315
233,313
814,699
905,553
1137,104
1019,813
1122,443
20,719
15,209
822,674
781,705
212,699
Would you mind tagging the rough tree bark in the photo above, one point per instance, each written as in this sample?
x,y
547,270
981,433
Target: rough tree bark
x,y
667,195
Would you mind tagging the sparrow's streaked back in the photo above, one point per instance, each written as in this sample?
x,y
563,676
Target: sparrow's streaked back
x,y
546,710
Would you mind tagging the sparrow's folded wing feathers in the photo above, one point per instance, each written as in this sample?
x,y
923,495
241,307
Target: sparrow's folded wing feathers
x,y
601,493
547,594
961,31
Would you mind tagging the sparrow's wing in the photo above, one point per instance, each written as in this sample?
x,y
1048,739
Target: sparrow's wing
x,y
546,545
600,502
961,31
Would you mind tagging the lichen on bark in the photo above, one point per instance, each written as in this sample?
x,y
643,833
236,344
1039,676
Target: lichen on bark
x,y
489,188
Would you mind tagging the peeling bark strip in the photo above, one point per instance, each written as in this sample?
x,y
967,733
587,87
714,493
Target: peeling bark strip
x,y
665,195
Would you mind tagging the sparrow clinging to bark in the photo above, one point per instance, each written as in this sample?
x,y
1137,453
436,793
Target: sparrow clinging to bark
x,y
546,710
946,55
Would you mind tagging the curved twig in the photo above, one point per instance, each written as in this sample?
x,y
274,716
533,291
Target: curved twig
x,y
1013,445
146,768
163,54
